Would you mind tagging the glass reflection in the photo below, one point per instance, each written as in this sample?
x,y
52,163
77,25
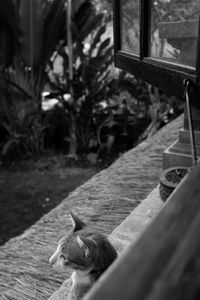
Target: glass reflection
x,y
130,25
174,30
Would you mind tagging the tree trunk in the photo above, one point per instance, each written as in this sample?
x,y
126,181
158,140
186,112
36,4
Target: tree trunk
x,y
72,138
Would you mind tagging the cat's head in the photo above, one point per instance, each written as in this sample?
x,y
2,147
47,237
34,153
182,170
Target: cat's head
x,y
75,250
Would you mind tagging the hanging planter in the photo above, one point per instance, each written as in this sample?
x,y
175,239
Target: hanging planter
x,y
170,178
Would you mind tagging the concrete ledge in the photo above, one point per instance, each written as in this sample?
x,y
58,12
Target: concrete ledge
x,y
132,227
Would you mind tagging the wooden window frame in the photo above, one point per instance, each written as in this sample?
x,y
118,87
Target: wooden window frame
x,y
165,75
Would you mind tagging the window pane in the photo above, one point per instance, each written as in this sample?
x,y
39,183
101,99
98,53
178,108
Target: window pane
x,y
174,30
130,25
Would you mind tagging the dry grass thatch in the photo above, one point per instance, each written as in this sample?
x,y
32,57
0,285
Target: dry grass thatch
x,y
103,202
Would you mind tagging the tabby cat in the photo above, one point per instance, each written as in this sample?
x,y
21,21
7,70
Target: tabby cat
x,y
88,254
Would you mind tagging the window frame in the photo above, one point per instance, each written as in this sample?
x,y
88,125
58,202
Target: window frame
x,y
165,75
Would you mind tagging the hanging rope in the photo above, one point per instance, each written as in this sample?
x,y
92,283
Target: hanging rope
x,y
188,85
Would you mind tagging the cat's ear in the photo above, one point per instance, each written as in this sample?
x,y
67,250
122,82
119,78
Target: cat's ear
x,y
76,222
83,246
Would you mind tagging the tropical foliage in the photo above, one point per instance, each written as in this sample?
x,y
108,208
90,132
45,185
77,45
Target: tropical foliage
x,y
92,62
34,57
23,70
39,31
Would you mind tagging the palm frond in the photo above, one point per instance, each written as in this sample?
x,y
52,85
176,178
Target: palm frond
x,y
32,32
9,31
9,80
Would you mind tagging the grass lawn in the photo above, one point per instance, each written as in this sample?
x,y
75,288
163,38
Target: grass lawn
x,y
30,189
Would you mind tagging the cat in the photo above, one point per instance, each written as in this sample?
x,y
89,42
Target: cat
x,y
88,254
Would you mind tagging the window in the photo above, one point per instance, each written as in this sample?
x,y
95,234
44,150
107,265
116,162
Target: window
x,y
158,41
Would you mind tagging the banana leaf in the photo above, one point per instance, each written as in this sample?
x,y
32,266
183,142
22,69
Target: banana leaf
x,y
103,46
85,11
97,38
76,4
55,24
93,22
54,29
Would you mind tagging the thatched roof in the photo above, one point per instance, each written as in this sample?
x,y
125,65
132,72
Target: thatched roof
x,y
103,202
